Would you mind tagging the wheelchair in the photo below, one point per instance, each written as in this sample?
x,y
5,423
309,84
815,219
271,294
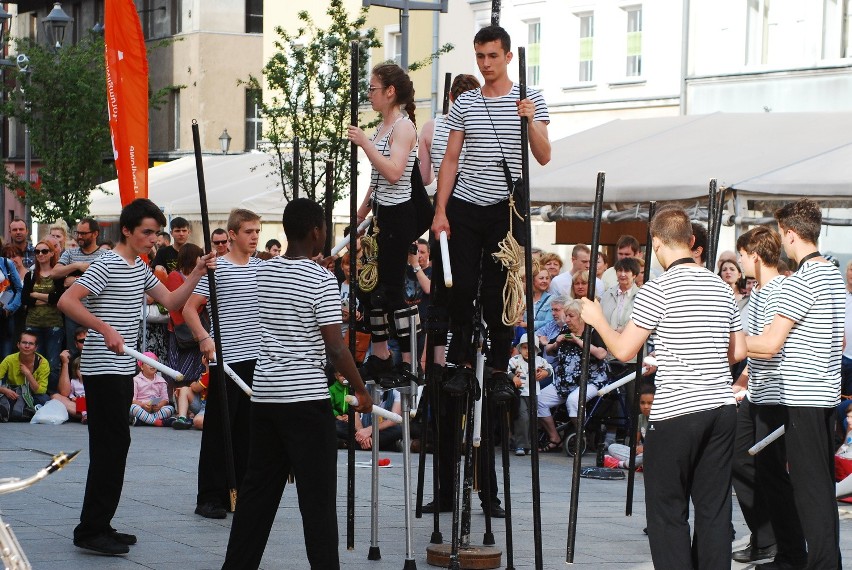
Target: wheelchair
x,y
611,409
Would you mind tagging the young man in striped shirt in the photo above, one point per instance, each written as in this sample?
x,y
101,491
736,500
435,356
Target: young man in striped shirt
x,y
115,285
236,293
808,331
761,482
292,424
690,438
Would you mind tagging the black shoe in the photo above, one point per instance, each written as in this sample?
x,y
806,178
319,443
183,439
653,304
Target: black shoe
x,y
497,512
211,511
501,388
782,565
123,538
459,381
399,377
374,368
443,508
752,554
102,544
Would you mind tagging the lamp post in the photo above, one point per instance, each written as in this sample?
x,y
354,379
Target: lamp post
x,y
225,141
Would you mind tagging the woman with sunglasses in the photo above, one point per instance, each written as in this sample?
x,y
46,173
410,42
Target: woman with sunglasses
x,y
41,293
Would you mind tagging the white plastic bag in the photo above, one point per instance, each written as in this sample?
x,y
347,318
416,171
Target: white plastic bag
x,y
52,413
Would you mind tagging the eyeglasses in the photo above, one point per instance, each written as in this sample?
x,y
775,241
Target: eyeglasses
x,y
81,340
370,89
83,233
223,242
42,251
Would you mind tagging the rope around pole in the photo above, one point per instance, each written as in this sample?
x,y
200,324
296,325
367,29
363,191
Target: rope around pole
x,y
511,255
368,278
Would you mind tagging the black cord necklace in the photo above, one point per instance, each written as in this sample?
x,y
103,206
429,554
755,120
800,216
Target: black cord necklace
x,y
809,256
680,261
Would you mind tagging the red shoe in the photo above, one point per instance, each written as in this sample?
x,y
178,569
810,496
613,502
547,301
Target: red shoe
x,y
611,462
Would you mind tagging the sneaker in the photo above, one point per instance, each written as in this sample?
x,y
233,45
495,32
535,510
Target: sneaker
x,y
169,421
102,544
611,462
497,512
84,420
520,452
752,554
158,423
134,420
182,423
211,511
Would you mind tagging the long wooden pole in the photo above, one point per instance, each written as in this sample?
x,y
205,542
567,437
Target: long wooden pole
x,y
711,226
584,373
216,373
353,284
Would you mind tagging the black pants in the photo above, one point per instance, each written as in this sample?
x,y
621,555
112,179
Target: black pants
x,y
108,399
774,481
476,233
690,457
396,234
212,474
810,454
299,436
751,495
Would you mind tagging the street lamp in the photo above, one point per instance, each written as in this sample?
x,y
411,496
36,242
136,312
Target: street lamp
x,y
54,26
225,141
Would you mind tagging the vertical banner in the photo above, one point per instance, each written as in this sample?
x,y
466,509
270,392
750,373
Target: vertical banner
x,y
127,97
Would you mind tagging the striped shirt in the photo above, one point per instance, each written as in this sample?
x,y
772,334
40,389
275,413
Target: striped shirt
x,y
117,295
295,297
440,136
236,293
693,313
385,193
75,255
814,298
763,376
492,132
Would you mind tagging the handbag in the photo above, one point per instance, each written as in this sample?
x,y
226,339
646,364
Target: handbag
x,y
424,210
20,410
183,334
362,344
156,314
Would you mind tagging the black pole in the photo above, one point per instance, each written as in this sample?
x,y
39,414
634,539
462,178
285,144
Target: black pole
x,y
634,408
505,418
486,457
448,81
216,373
353,284
297,167
711,226
422,419
456,410
329,204
584,373
434,387
717,222
495,12
528,281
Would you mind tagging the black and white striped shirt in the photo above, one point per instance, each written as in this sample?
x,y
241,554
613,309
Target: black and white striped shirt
x,y
814,298
385,193
117,293
295,298
693,313
440,136
492,131
764,378
75,254
236,293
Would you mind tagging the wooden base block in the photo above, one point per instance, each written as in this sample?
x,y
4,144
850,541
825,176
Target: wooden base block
x,y
470,558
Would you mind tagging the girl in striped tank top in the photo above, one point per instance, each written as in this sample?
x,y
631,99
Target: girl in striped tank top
x,y
392,152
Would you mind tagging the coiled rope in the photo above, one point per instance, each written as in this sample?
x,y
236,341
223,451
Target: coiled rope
x,y
511,255
368,278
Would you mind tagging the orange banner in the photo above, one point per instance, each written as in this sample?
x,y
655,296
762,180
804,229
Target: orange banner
x,y
127,97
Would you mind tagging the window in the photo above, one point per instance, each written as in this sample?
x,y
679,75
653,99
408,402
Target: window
x,y
176,7
99,11
174,114
77,14
254,122
393,45
587,39
254,16
634,41
533,52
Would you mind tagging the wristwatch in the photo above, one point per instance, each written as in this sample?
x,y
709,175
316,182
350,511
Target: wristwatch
x,y
415,269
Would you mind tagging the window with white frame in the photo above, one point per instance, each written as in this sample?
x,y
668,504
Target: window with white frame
x,y
634,41
533,52
254,121
393,44
174,104
587,46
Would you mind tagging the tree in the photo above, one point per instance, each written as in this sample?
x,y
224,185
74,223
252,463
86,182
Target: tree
x,y
309,78
62,97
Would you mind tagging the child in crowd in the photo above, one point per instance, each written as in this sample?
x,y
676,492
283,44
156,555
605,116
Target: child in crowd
x,y
518,370
191,401
618,456
150,396
338,389
70,391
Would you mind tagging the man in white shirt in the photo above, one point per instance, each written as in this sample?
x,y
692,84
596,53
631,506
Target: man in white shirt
x,y
581,257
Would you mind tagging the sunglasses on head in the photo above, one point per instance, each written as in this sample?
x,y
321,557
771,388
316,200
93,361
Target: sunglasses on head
x,y
42,251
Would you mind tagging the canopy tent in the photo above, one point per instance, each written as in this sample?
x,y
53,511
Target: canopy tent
x,y
232,181
673,158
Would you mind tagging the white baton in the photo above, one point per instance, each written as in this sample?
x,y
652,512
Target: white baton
x,y
617,384
377,410
445,259
237,380
344,241
766,441
151,362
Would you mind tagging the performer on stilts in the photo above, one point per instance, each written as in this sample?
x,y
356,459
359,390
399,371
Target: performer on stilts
x,y
690,438
292,425
392,152
475,211
114,285
236,287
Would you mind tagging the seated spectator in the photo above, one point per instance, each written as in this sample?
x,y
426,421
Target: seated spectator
x,y
191,402
25,370
338,389
619,455
626,246
70,391
11,289
552,328
568,348
617,302
519,371
390,433
150,396
44,319
552,262
580,286
603,265
185,359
